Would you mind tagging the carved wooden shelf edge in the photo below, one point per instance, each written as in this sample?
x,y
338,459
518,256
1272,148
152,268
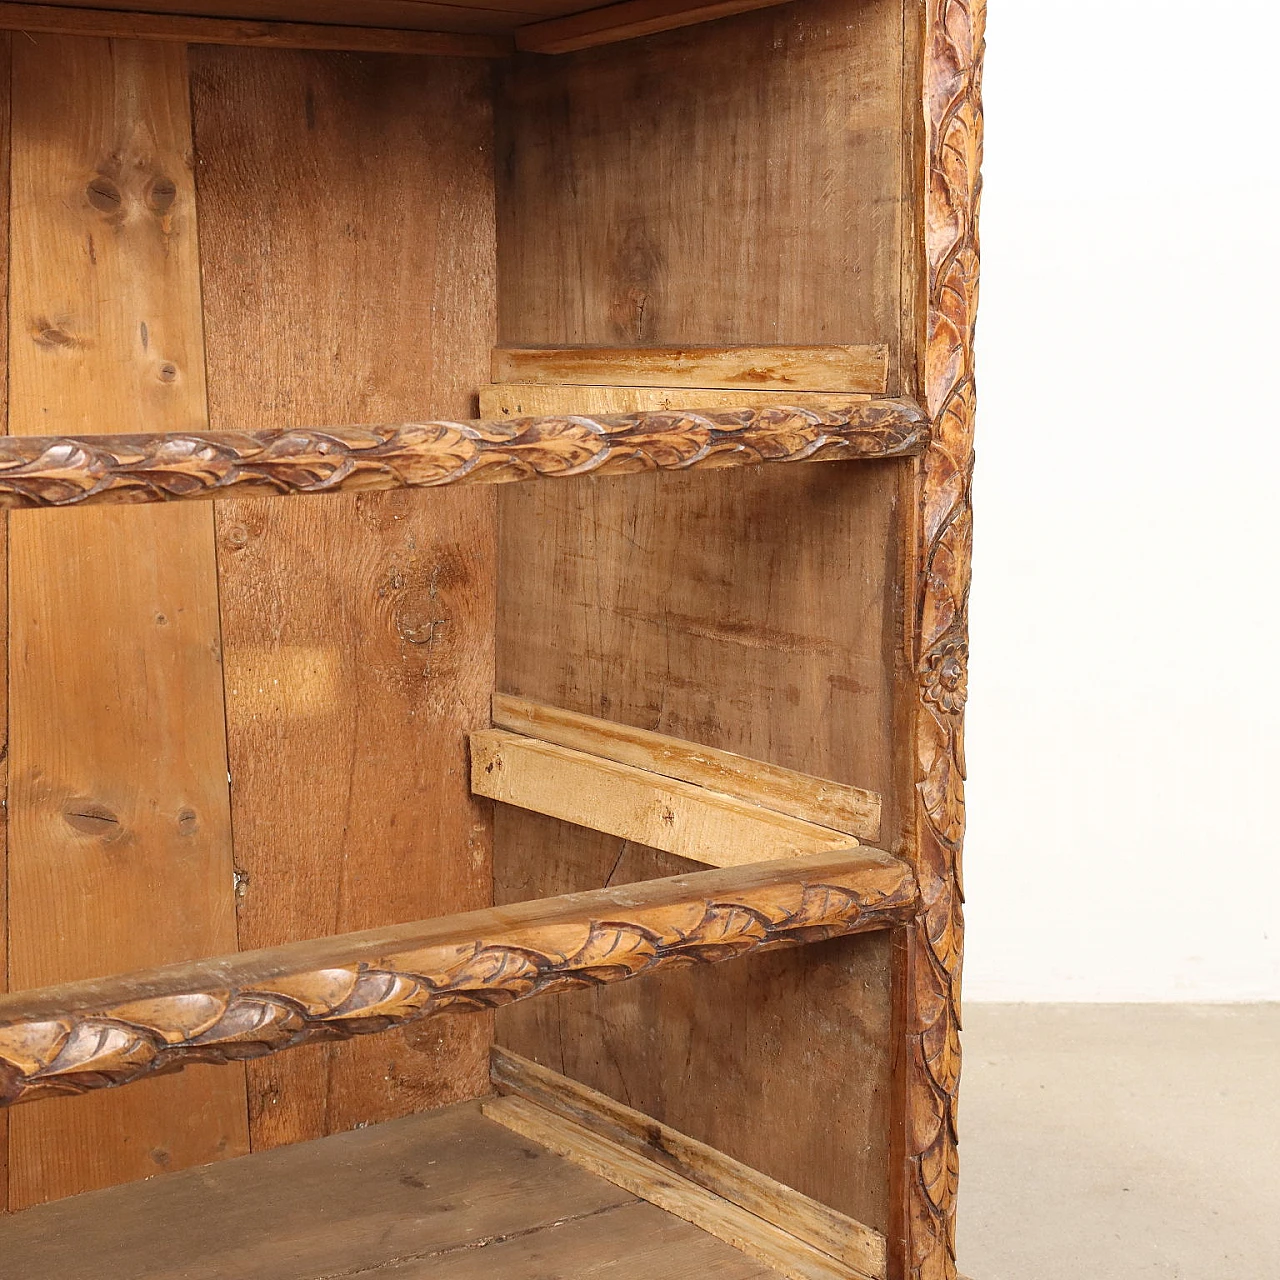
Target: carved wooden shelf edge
x,y
953,50
54,471
101,1033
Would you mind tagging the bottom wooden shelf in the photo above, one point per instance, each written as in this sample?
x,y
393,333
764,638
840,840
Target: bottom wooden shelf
x,y
448,1195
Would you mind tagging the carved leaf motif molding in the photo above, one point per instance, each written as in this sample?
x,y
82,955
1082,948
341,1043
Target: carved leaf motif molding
x,y
954,43
52,471
225,1010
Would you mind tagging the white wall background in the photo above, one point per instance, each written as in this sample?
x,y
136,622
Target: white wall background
x,y
1124,715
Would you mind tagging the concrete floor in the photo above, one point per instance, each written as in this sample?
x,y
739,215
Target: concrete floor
x,y
1109,1141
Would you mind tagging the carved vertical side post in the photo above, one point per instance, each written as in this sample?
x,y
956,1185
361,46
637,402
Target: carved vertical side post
x,y
953,48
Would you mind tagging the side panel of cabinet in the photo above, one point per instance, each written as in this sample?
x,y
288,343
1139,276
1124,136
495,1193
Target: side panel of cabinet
x,y
741,182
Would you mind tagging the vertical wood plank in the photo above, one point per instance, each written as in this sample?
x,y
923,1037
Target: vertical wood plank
x,y
349,277
6,41
121,847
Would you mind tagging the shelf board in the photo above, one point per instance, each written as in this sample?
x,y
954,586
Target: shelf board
x,y
66,471
103,1032
447,1195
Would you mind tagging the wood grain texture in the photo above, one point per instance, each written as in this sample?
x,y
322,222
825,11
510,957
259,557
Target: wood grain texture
x,y
756,612
625,21
358,629
5,64
645,808
607,159
834,1234
522,399
444,1196
131,25
771,368
784,1253
405,15
51,471
121,847
93,1035
953,47
818,800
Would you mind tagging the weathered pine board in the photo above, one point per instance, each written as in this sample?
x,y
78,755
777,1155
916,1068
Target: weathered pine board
x,y
349,277
121,843
757,614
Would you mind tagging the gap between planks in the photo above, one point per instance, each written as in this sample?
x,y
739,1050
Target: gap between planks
x,y
835,1234
816,800
785,1253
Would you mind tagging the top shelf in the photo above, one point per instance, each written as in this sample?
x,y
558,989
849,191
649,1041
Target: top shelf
x,y
65,471
457,28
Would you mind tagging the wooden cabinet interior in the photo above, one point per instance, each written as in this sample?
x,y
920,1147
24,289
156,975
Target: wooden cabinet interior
x,y
344,253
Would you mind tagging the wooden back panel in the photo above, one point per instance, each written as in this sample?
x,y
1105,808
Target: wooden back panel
x,y
654,194
343,208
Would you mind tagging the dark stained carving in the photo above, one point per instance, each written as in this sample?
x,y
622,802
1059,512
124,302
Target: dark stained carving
x,y
51,471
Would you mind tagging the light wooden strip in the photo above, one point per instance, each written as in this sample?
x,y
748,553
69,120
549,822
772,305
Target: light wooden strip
x,y
829,804
791,1257
92,1034
835,1234
765,368
517,399
58,20
662,813
64,471
625,22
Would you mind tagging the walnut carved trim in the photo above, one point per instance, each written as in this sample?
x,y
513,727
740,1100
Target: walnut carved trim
x,y
953,129
51,471
96,1034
